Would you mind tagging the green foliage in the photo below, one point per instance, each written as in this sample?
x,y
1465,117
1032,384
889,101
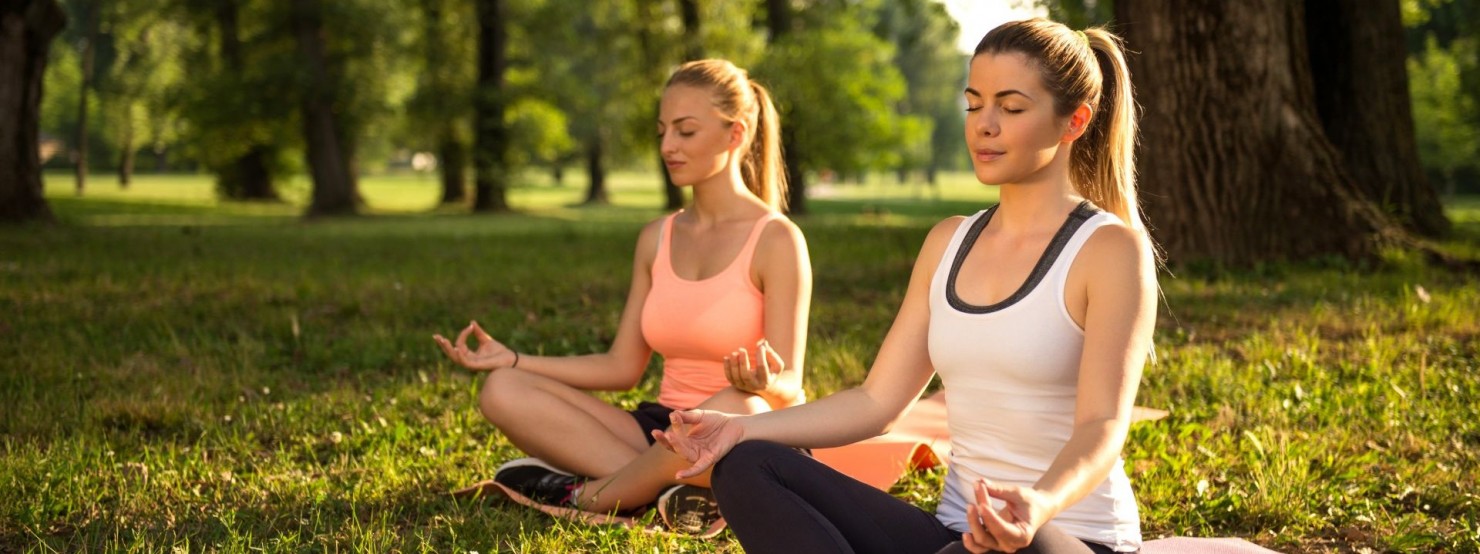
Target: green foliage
x,y
838,86
1444,115
196,375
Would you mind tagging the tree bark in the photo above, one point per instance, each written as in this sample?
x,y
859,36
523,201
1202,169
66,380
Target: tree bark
x,y
330,153
491,133
248,177
778,24
1235,166
596,172
27,28
1358,61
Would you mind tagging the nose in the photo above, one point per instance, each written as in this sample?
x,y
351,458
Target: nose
x,y
667,144
986,123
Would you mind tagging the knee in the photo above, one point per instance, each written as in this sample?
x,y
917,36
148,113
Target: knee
x,y
746,462
501,393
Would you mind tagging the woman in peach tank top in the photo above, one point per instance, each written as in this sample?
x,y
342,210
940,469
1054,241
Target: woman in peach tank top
x,y
721,290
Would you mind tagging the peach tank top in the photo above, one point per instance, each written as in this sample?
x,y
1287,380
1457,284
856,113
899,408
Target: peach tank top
x,y
695,324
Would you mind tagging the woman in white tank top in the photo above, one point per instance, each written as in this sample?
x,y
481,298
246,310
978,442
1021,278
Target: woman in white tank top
x,y
1037,314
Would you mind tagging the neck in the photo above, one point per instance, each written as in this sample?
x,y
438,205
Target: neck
x,y
1038,202
721,196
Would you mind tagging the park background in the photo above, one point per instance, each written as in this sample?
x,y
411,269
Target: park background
x,y
239,222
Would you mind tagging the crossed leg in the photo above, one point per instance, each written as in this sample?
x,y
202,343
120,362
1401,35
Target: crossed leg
x,y
577,432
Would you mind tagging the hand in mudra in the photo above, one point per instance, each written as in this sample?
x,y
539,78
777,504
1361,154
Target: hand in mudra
x,y
490,355
760,376
701,437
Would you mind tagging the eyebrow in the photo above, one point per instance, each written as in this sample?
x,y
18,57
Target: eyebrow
x,y
676,121
1000,94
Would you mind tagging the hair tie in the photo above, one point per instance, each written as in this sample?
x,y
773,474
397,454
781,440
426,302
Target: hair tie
x,y
1082,37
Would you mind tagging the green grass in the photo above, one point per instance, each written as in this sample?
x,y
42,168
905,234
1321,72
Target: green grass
x,y
184,374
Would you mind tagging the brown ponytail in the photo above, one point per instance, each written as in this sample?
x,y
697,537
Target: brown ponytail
x,y
741,99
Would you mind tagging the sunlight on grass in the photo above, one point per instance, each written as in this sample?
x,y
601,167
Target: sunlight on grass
x,y
187,374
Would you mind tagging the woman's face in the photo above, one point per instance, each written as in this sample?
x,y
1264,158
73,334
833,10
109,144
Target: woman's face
x,y
1011,127
697,141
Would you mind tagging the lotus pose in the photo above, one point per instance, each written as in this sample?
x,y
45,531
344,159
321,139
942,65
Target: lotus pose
x,y
1037,314
721,290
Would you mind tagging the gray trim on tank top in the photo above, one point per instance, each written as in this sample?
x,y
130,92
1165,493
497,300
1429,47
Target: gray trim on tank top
x,y
1076,219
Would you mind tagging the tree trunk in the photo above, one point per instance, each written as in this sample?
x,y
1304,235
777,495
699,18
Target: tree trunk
x,y
454,166
26,30
491,134
596,172
778,24
246,178
89,40
329,153
1234,164
1358,60
126,147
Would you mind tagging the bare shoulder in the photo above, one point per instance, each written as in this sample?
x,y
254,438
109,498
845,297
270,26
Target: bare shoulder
x,y
782,233
939,237
1116,247
647,240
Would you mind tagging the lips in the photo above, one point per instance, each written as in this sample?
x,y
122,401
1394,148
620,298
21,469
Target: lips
x,y
672,165
986,154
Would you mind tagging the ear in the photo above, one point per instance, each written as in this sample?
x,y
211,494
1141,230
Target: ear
x,y
1078,122
738,131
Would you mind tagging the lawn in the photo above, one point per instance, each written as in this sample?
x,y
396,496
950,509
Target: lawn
x,y
185,374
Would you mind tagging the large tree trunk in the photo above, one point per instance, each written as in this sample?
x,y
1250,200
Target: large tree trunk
x,y
778,24
330,154
26,30
491,133
246,178
1358,61
1234,163
89,47
596,172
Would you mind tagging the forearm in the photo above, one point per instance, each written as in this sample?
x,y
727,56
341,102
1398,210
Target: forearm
x,y
843,418
603,371
1089,456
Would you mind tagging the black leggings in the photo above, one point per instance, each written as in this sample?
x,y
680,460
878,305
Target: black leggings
x,y
779,500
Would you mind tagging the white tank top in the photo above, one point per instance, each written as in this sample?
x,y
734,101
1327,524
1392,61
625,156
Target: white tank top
x,y
1010,372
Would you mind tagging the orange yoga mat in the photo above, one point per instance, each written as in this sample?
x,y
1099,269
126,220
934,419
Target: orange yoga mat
x,y
918,441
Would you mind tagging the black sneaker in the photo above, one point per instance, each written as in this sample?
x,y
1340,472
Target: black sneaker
x,y
689,509
538,481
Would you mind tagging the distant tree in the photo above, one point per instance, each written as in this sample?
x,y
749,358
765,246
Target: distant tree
x,y
934,71
330,147
490,131
27,28
845,118
442,102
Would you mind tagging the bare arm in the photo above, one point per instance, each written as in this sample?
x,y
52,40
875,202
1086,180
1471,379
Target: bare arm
x,y
898,375
785,271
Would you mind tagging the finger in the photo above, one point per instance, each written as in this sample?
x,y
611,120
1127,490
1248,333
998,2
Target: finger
x,y
774,361
979,533
698,468
732,373
482,335
662,440
972,545
763,363
1009,537
748,370
444,345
